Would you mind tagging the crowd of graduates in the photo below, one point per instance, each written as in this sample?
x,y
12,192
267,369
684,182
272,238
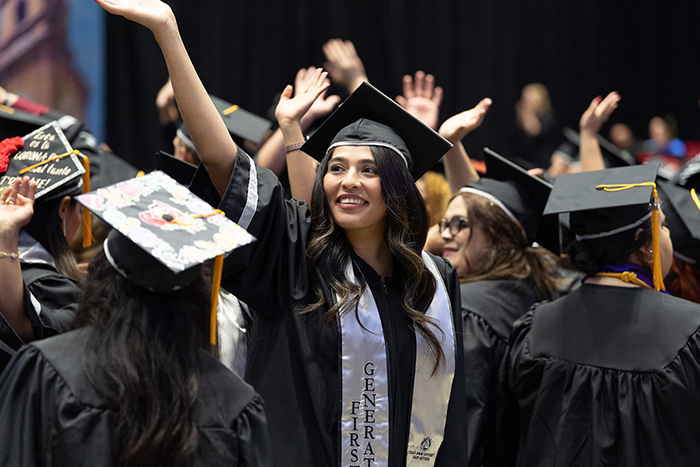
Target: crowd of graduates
x,y
346,286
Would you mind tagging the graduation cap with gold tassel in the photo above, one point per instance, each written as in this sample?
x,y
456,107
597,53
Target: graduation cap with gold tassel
x,y
604,203
47,158
163,233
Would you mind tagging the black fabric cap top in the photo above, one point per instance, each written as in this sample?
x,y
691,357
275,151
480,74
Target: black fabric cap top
x,y
54,178
239,122
683,220
370,118
533,193
689,176
595,210
161,230
612,155
181,171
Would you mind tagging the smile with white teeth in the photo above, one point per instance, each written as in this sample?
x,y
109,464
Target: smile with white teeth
x,y
344,200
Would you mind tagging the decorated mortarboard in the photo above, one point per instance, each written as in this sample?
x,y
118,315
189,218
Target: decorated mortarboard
x,y
162,233
46,157
682,210
370,118
606,202
612,155
181,171
523,194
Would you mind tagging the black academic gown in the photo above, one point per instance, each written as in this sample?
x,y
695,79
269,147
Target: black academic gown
x,y
293,357
605,376
51,310
51,415
489,309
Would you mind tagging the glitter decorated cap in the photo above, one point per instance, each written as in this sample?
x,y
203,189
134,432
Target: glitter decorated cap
x,y
161,232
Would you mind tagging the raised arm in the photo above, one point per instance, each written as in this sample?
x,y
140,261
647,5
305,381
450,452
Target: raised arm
x,y
272,154
458,166
16,210
215,148
301,168
590,123
421,98
344,64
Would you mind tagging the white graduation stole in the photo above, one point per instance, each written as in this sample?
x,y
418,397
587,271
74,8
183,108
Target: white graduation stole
x,y
365,396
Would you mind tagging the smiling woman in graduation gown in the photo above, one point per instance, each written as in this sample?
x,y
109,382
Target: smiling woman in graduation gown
x,y
609,374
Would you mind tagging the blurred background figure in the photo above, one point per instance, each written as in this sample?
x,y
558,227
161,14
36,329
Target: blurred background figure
x,y
622,137
537,133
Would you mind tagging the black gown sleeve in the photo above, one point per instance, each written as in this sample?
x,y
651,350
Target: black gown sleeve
x,y
270,273
453,451
26,408
483,352
253,438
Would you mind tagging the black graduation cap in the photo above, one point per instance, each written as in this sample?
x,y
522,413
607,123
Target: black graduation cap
x,y
682,210
525,195
612,155
178,169
48,159
370,118
242,125
606,202
689,176
162,232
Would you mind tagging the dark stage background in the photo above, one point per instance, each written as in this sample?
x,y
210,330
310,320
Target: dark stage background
x,y
246,51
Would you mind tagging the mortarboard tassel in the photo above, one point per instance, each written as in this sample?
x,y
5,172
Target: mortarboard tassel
x,y
658,276
216,284
87,219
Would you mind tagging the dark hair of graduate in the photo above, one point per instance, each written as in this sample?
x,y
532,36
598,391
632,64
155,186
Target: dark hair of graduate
x,y
683,280
47,228
142,360
508,254
588,256
329,251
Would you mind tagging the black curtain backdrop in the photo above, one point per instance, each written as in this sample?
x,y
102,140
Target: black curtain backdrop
x,y
247,51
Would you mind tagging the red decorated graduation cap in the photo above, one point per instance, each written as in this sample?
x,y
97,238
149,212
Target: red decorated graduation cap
x,y
370,118
162,233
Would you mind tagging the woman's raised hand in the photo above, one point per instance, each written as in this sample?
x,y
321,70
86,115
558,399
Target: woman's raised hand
x,y
17,205
458,126
152,14
292,109
598,113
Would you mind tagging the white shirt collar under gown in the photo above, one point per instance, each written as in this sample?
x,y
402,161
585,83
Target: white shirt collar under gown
x,y
365,423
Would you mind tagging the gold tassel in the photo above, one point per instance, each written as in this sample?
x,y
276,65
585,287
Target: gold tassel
x,y
216,284
658,276
87,218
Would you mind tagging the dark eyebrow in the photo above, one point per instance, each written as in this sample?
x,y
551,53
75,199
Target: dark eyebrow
x,y
344,160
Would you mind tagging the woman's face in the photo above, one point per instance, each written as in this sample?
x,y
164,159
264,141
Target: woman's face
x,y
354,191
465,248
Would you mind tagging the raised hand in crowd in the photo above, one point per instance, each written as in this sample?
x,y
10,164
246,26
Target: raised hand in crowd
x,y
214,144
16,210
290,112
421,98
343,64
458,166
272,154
165,103
590,123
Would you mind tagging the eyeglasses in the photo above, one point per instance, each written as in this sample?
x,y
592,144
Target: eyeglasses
x,y
456,224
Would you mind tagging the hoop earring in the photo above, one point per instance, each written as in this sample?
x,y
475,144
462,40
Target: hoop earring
x,y
652,257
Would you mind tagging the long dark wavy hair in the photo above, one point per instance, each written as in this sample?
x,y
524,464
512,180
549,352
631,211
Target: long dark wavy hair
x,y
684,280
46,227
142,360
508,254
329,251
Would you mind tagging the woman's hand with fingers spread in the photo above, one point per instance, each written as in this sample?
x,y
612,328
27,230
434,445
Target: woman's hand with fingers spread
x,y
152,14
